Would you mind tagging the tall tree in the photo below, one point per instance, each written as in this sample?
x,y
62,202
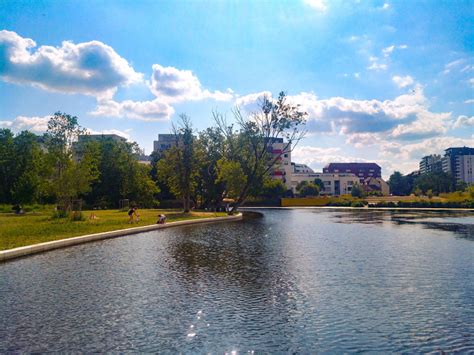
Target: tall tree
x,y
179,168
250,145
30,168
7,165
69,178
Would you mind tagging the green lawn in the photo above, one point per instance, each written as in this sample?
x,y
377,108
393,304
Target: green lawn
x,y
37,227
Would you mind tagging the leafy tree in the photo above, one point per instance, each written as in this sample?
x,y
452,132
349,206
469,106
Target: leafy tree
x,y
67,180
273,188
438,182
318,182
249,147
29,168
208,150
7,165
357,191
179,168
400,185
232,175
308,189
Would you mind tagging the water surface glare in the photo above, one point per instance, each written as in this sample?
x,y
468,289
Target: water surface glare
x,y
293,281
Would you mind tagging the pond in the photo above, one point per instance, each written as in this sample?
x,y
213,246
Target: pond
x,y
299,280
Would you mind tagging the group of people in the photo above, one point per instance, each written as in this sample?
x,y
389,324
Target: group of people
x,y
134,217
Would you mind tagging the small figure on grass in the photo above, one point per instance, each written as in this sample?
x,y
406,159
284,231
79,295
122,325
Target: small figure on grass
x,y
92,216
161,219
133,215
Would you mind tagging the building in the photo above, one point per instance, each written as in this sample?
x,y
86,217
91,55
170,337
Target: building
x,y
164,142
334,184
431,163
301,168
361,170
459,162
281,151
372,184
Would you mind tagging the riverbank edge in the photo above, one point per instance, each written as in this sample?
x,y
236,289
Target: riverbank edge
x,y
359,208
14,253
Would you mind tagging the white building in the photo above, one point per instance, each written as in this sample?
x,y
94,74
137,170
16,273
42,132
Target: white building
x,y
301,168
334,184
282,169
459,162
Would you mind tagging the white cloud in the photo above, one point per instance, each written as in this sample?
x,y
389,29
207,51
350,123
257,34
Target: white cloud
x,y
251,102
357,75
470,101
21,123
385,6
464,121
318,5
153,110
467,69
376,65
91,68
471,82
125,134
317,158
403,81
406,117
387,51
171,85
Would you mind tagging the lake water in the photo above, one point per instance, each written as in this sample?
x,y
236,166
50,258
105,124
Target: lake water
x,y
292,281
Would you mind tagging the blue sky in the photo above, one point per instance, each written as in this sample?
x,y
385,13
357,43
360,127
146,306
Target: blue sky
x,y
385,81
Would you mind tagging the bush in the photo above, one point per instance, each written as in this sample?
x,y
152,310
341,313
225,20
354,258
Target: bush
x,y
357,204
60,214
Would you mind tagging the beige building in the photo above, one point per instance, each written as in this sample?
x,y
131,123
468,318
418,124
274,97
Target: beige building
x,y
334,184
376,184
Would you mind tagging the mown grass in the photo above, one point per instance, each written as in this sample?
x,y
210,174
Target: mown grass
x,y
40,226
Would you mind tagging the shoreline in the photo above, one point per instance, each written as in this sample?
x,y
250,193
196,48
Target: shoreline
x,y
364,208
10,254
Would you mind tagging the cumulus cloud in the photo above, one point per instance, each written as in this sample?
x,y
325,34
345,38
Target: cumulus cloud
x,y
318,5
317,158
91,68
406,117
464,121
153,110
387,51
402,81
21,123
415,151
174,85
125,134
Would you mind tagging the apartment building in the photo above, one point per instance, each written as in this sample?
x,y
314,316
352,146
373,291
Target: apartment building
x,y
431,163
459,162
281,151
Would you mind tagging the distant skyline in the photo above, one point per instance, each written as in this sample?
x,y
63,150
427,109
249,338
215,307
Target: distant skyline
x,y
382,81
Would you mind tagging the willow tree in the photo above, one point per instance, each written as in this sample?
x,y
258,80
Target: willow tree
x,y
248,151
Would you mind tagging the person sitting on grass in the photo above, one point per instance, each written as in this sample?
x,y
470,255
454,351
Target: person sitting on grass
x,y
133,213
161,219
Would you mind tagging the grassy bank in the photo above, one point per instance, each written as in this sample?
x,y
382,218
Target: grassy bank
x,y
39,226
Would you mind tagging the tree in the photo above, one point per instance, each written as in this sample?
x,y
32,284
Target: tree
x,y
438,182
7,165
69,179
29,169
399,185
318,182
210,190
273,188
357,191
249,147
232,175
308,189
179,167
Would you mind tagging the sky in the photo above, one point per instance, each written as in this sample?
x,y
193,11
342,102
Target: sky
x,y
383,81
